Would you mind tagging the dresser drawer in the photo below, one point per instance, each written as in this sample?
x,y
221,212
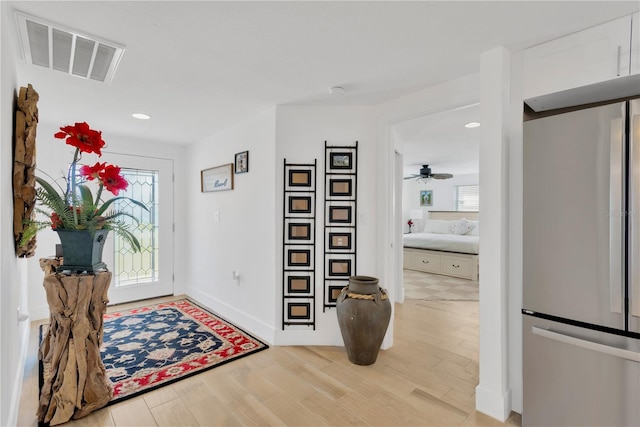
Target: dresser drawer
x,y
456,266
417,260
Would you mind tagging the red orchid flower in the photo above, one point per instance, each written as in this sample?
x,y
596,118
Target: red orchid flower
x,y
55,220
82,137
112,180
92,172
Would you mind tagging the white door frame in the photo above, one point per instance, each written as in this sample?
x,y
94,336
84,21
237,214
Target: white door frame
x,y
165,284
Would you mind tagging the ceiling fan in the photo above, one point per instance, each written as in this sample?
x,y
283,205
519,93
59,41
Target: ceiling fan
x,y
425,173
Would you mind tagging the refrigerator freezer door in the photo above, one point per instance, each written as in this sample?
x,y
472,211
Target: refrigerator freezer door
x,y
634,216
578,377
573,215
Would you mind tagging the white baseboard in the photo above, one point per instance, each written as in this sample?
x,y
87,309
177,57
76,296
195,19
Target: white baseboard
x,y
16,388
248,323
494,404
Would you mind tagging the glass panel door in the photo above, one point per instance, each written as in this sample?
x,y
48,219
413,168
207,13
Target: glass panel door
x,y
148,273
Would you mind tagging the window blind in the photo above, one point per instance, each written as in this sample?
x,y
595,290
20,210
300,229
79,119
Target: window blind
x,y
467,198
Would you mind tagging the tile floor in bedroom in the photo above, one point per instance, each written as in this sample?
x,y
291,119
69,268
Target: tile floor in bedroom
x,y
427,286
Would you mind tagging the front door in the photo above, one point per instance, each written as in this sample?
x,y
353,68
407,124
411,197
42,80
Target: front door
x,y
148,273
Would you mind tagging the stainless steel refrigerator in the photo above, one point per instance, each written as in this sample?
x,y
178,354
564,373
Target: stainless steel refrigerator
x,y
581,266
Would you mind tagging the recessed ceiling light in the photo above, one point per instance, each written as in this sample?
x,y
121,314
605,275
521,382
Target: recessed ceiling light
x,y
141,116
472,125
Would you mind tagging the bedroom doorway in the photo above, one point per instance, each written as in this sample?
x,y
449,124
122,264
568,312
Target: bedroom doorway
x,y
441,142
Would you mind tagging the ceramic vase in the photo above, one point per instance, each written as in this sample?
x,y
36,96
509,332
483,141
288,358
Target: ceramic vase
x,y
364,311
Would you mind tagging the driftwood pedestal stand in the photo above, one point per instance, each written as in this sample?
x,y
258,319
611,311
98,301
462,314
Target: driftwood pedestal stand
x,y
75,381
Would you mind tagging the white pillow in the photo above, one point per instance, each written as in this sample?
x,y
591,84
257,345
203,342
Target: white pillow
x,y
438,226
461,226
475,231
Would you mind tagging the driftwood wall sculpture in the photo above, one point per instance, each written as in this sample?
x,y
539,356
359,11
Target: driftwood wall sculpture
x,y
24,167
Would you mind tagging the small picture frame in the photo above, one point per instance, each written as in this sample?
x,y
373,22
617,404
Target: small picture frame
x,y
340,214
299,178
299,257
299,311
333,293
299,231
299,284
426,198
340,267
219,178
299,204
340,240
340,160
340,187
242,162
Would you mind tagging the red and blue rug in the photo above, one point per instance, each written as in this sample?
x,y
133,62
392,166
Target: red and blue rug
x,y
149,347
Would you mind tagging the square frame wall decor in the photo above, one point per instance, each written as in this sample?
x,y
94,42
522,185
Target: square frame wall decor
x,y
218,178
299,245
242,162
340,160
340,220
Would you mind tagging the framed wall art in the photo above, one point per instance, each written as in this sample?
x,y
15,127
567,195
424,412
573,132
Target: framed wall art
x,y
299,178
340,160
298,241
218,178
426,198
242,162
300,205
340,240
340,219
341,187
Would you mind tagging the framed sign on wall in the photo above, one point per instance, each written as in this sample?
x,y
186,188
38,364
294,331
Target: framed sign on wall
x,y
218,178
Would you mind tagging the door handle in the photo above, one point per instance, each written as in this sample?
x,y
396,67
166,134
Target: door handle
x,y
616,216
586,344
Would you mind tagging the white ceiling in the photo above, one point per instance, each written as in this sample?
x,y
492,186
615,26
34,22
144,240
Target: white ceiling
x,y
199,66
442,141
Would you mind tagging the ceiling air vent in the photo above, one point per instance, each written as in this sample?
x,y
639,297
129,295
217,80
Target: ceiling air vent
x,y
52,46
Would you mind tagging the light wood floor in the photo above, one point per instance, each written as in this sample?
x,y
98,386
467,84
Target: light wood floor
x,y
427,378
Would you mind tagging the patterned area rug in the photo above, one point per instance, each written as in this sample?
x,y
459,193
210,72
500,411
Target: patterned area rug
x,y
149,347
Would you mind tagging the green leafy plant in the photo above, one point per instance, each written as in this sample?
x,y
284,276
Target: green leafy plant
x,y
75,207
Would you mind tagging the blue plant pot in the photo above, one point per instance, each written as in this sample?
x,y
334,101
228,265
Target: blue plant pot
x,y
82,250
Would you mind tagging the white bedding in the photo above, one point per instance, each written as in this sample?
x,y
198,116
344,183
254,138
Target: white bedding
x,y
463,243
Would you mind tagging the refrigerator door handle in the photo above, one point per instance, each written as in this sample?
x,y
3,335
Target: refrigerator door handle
x,y
634,211
586,344
616,209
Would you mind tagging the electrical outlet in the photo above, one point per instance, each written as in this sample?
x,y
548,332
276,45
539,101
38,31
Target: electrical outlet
x,y
216,216
236,275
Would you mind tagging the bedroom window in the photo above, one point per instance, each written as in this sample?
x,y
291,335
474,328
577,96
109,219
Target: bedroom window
x,y
467,198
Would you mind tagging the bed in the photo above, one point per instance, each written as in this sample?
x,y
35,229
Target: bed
x,y
447,244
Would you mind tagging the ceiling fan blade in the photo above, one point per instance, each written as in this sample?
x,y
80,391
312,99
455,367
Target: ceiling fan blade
x,y
441,175
411,177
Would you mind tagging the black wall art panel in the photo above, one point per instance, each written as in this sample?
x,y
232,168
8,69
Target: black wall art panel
x,y
298,245
340,219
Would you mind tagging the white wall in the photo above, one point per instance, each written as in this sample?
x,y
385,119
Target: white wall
x,y
301,132
53,156
244,239
500,373
443,194
13,294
